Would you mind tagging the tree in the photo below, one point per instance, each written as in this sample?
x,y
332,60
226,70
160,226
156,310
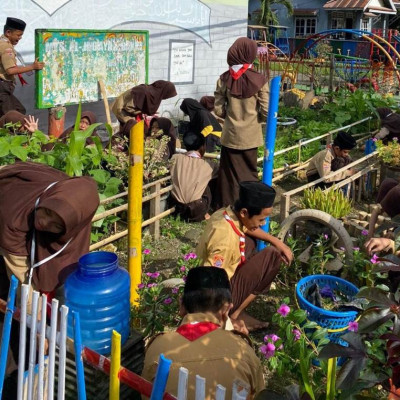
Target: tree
x,y
268,17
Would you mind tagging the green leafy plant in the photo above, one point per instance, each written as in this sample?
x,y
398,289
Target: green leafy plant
x,y
389,154
333,202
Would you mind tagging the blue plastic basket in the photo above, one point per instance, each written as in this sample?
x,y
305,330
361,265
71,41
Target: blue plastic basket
x,y
336,322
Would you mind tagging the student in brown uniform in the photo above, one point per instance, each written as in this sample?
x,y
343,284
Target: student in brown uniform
x,y
21,123
390,125
201,344
13,31
228,241
191,175
141,99
241,97
331,159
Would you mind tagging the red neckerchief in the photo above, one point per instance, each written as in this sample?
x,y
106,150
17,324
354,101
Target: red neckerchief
x,y
22,80
195,330
242,240
238,74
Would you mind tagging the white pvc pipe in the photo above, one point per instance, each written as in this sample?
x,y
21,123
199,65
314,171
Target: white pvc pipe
x,y
42,340
22,341
182,383
62,353
220,392
52,348
200,388
32,341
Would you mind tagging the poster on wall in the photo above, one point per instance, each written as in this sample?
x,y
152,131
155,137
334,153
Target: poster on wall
x,y
181,61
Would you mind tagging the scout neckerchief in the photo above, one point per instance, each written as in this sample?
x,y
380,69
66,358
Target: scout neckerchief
x,y
242,240
33,246
237,71
195,330
21,79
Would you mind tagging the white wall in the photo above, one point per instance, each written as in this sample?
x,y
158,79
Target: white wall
x,y
213,24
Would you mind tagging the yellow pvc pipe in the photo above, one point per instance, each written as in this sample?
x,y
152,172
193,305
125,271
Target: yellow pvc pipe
x,y
115,365
135,188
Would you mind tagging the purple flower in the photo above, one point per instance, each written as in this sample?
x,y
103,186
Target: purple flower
x,y
190,256
268,350
184,278
364,232
326,237
168,300
183,268
374,139
175,290
150,285
356,248
374,259
353,326
297,334
327,292
141,286
146,251
153,275
272,337
283,310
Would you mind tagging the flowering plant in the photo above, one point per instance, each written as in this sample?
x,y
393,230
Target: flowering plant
x,y
158,306
389,154
292,349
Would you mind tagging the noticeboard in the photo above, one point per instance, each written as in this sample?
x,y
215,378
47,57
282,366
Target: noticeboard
x,y
75,60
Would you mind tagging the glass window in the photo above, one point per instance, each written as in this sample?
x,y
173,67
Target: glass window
x,y
305,26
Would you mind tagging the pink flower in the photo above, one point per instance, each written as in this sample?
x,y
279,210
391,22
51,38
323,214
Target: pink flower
x,y
374,259
353,326
150,285
356,248
297,334
140,286
183,268
374,139
146,251
268,350
283,310
326,237
168,300
175,290
395,139
272,337
364,232
153,275
190,256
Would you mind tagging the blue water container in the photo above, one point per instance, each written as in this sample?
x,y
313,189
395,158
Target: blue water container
x,y
99,290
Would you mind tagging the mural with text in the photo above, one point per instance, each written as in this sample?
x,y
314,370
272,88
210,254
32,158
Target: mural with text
x,y
76,60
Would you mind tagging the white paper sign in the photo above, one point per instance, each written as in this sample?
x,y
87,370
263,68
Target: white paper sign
x,y
181,62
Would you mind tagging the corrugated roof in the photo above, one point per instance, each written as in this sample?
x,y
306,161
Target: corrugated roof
x,y
346,4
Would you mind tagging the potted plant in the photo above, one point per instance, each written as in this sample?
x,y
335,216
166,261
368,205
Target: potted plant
x,y
389,156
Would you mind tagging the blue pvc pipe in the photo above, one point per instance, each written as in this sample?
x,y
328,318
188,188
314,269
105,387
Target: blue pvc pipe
x,y
5,340
160,381
80,372
270,136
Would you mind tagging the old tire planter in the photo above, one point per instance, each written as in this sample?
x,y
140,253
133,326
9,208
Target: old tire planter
x,y
322,218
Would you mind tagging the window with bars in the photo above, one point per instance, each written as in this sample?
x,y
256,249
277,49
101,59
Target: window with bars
x,y
305,26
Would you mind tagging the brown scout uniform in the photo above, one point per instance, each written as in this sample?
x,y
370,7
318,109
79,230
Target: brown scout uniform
x,y
321,164
220,356
219,246
124,108
8,101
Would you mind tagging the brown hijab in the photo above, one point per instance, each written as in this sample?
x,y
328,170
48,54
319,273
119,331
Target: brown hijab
x,y
389,120
91,116
12,117
208,102
147,98
243,51
168,129
75,200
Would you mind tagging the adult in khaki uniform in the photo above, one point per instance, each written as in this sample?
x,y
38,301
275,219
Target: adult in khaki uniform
x,y
332,159
201,345
241,97
228,241
13,31
193,179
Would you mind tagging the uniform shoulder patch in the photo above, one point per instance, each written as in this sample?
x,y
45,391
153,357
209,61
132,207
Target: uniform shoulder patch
x,y
218,260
